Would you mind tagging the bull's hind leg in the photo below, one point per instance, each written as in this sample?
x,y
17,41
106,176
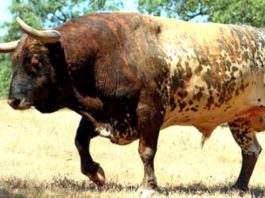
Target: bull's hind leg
x,y
85,132
245,136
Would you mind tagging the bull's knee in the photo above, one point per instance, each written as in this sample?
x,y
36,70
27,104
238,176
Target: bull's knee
x,y
253,147
146,153
245,136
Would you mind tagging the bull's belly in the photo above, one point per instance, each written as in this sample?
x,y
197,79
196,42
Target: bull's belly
x,y
206,114
201,119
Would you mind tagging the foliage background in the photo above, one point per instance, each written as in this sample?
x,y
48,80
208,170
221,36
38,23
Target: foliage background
x,y
50,13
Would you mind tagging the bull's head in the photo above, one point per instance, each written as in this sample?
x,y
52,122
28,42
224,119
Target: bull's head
x,y
32,72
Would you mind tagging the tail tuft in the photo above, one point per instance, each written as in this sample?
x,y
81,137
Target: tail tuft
x,y
204,139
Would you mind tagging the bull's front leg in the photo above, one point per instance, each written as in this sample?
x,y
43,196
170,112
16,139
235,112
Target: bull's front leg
x,y
92,169
245,136
149,122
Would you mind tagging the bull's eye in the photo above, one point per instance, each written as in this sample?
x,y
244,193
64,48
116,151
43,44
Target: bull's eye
x,y
33,68
35,65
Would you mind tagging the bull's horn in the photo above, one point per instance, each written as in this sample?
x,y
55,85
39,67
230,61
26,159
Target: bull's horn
x,y
8,47
45,36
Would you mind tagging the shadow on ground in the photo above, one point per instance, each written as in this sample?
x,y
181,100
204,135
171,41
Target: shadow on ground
x,y
199,188
4,193
196,188
9,188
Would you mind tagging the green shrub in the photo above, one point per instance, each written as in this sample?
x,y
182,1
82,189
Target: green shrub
x,y
5,74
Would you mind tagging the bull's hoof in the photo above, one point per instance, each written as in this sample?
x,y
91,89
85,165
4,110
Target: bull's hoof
x,y
98,177
240,187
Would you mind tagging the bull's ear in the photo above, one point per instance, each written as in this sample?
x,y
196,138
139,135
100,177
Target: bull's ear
x,y
8,47
45,36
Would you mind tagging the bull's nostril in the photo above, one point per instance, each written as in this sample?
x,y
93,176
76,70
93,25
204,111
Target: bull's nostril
x,y
14,102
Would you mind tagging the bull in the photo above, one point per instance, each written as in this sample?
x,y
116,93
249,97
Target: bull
x,y
130,75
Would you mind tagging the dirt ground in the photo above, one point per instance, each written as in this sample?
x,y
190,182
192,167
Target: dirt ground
x,y
38,159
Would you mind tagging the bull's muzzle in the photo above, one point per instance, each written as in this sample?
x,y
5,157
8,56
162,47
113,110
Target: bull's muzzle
x,y
20,104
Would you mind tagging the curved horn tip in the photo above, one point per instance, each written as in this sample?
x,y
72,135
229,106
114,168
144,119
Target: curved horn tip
x,y
18,19
8,47
46,36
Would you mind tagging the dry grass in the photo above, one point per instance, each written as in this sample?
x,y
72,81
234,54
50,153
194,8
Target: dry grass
x,y
39,159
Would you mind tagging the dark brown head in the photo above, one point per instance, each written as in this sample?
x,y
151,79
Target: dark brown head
x,y
33,73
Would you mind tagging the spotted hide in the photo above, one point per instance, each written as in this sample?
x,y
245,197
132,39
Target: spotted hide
x,y
130,75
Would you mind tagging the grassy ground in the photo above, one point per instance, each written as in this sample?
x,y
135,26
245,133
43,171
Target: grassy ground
x,y
38,159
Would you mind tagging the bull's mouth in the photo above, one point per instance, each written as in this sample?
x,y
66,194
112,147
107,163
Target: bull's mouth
x,y
25,106
47,105
19,104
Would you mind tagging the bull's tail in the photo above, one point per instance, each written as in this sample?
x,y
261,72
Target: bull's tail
x,y
204,139
206,133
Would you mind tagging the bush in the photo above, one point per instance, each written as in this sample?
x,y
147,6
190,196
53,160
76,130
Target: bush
x,y
5,74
